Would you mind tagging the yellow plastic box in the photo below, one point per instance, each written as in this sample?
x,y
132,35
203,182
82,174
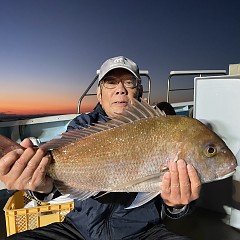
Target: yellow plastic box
x,y
20,219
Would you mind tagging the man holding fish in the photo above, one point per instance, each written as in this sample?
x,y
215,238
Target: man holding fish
x,y
115,215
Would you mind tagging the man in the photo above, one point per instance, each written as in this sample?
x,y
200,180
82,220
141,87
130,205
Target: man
x,y
105,217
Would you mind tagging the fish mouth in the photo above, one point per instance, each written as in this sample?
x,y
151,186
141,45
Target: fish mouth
x,y
221,177
227,175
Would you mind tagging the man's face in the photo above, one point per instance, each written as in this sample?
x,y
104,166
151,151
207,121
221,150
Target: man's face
x,y
115,100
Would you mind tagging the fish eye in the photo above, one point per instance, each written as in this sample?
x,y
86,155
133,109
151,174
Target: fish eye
x,y
210,151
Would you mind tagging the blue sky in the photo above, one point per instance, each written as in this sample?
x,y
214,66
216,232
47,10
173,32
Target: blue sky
x,y
50,49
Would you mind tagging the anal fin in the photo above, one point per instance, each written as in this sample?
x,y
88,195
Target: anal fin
x,y
73,192
142,198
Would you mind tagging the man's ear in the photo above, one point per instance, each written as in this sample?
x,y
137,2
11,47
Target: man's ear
x,y
140,91
99,94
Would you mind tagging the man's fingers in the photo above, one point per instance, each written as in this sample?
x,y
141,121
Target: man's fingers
x,y
26,169
34,162
175,187
195,181
42,168
22,162
166,184
181,184
8,160
185,188
40,181
26,143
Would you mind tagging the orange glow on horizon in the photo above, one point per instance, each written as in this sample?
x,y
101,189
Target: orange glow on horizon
x,y
27,105
32,110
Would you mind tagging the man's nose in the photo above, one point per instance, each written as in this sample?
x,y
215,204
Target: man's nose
x,y
120,89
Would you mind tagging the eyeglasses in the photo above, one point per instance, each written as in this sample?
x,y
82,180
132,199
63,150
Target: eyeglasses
x,y
111,82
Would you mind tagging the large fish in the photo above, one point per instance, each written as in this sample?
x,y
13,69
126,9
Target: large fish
x,y
131,152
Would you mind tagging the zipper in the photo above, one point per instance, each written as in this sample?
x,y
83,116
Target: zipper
x,y
107,224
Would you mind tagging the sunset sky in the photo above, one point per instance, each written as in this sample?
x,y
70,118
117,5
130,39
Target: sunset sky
x,y
50,49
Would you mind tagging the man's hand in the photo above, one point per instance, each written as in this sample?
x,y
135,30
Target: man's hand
x,y
26,169
181,185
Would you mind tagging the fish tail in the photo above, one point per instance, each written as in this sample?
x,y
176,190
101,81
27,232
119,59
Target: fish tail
x,y
7,145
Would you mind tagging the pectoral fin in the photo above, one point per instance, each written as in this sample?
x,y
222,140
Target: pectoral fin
x,y
154,178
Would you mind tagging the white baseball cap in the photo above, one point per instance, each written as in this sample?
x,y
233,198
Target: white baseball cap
x,y
118,62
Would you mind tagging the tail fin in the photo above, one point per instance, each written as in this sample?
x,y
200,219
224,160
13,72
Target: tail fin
x,y
7,145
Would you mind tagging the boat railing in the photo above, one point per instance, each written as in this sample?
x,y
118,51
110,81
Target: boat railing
x,y
144,76
196,73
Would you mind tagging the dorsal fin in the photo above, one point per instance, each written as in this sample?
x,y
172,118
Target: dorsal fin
x,y
143,108
135,111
